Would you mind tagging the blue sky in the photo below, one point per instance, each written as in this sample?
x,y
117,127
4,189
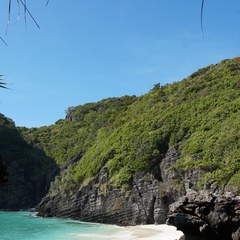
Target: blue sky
x,y
87,50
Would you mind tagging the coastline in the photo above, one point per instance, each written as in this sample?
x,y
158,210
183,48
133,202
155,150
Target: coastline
x,y
71,229
151,232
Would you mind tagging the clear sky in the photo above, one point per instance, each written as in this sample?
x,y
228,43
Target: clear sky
x,y
87,50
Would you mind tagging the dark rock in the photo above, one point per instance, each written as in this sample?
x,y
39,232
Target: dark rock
x,y
146,203
168,161
204,215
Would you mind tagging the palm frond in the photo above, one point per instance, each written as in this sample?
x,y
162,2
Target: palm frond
x,y
202,17
28,12
9,15
2,84
3,41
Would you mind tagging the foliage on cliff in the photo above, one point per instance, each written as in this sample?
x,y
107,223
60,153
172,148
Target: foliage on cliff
x,y
28,168
3,173
131,134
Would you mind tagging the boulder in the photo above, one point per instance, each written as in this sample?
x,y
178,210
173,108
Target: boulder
x,y
204,215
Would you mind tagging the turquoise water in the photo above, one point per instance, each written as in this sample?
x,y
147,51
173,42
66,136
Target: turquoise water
x,y
26,226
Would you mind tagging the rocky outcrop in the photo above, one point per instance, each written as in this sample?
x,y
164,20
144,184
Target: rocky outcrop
x,y
189,178
204,215
172,155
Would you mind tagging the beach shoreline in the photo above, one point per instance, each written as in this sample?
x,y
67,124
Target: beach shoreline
x,y
151,232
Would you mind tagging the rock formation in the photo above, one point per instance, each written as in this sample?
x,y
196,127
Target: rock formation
x,y
204,215
145,202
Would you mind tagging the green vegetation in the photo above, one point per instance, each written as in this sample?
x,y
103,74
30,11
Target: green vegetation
x,y
29,169
132,134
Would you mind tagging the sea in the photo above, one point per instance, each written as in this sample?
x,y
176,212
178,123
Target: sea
x,y
24,225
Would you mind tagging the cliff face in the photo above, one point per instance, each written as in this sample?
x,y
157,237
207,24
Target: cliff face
x,y
146,202
115,206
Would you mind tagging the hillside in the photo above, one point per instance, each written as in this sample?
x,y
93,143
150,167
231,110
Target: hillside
x,y
130,134
29,169
145,150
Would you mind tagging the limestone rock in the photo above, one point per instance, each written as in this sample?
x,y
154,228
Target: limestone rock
x,y
146,203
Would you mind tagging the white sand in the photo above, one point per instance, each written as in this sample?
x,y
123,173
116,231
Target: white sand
x,y
140,232
151,232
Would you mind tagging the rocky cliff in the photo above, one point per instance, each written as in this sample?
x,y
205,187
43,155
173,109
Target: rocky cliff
x,y
201,215
125,160
145,202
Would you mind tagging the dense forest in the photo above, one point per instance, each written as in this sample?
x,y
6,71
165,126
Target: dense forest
x,y
29,170
131,134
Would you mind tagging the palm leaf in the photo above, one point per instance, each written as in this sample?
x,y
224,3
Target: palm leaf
x,y
3,41
2,85
9,15
202,17
26,11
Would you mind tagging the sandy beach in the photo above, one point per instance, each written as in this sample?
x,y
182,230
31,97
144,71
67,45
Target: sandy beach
x,y
152,232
